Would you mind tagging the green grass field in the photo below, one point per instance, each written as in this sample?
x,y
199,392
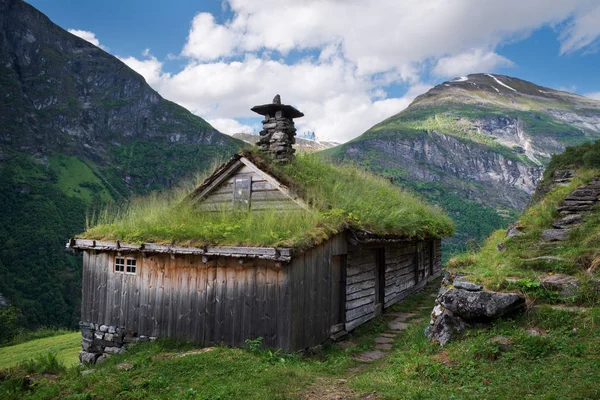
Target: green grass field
x,y
66,346
471,367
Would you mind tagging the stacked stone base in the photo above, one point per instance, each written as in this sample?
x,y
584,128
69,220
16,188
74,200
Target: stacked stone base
x,y
98,342
277,137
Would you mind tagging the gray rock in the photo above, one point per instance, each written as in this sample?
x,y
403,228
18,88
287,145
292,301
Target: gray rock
x,y
566,221
502,342
383,339
513,230
88,358
113,350
467,286
370,356
555,235
103,328
397,325
566,285
481,305
444,326
102,358
112,329
108,337
87,333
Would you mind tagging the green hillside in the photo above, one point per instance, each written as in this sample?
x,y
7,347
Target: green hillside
x,y
475,147
78,129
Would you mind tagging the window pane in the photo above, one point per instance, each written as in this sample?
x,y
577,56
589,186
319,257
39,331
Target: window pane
x,y
119,264
241,193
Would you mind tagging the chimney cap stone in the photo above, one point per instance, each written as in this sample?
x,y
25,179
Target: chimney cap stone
x,y
270,109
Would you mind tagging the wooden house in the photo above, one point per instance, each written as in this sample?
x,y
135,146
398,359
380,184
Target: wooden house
x,y
291,298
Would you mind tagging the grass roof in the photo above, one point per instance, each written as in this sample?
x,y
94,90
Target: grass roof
x,y
340,197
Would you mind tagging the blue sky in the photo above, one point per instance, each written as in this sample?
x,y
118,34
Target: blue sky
x,y
347,65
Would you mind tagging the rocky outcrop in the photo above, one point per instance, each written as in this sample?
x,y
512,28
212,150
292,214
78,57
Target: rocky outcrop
x,y
447,160
461,303
98,342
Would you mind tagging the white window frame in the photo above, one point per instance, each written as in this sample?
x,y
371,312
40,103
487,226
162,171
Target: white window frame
x,y
125,264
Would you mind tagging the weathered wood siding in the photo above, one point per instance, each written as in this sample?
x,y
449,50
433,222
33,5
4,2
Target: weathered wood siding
x,y
323,290
263,195
405,267
361,285
316,290
220,301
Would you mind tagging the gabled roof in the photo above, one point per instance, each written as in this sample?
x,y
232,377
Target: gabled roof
x,y
228,169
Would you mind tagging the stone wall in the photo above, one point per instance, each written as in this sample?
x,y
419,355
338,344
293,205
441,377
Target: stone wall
x,y
98,341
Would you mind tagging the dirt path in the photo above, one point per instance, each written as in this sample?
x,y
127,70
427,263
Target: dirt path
x,y
412,311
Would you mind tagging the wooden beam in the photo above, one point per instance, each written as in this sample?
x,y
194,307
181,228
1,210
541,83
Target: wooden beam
x,y
267,253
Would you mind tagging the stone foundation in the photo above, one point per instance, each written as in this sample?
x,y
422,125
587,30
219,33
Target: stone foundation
x,y
98,341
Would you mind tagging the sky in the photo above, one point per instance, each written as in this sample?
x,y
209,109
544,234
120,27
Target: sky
x,y
347,64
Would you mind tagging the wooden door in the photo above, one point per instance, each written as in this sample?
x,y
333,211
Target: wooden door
x,y
338,293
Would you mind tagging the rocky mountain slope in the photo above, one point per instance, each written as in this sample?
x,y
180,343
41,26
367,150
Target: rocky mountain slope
x,y
77,128
302,144
476,145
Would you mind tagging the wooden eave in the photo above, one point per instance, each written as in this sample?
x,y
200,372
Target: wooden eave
x,y
265,253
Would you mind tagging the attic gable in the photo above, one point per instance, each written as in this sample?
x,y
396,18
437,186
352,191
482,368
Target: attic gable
x,y
241,185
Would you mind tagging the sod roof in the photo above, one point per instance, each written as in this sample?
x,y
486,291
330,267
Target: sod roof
x,y
339,198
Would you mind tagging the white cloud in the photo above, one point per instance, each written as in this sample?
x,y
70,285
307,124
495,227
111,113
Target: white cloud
x,y
88,36
356,51
150,68
231,126
469,62
582,31
595,95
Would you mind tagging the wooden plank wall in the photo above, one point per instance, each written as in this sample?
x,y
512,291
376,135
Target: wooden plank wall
x,y
263,196
400,271
220,301
315,293
361,281
407,265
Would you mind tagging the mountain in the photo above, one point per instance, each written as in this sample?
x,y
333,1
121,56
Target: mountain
x,y
477,145
302,144
77,128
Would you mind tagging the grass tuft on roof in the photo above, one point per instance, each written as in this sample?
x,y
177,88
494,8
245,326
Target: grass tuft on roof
x,y
340,197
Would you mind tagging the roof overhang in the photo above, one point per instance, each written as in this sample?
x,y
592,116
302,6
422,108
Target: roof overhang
x,y
265,253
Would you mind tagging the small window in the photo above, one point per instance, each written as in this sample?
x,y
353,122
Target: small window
x,y
119,264
130,266
125,265
241,193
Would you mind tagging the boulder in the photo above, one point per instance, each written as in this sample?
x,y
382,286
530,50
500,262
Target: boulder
x,y
482,305
566,285
555,235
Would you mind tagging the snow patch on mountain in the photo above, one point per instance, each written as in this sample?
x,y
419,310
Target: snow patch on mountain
x,y
500,82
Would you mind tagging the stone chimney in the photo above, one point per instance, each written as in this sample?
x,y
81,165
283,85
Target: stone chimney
x,y
278,134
